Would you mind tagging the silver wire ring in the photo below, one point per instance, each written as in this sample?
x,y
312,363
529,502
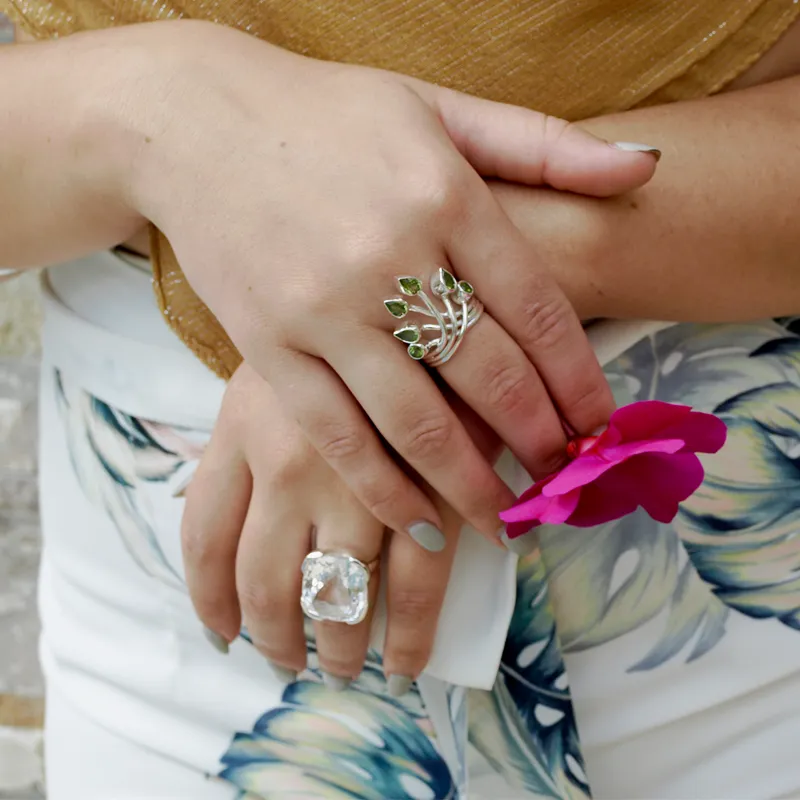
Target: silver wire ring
x,y
458,310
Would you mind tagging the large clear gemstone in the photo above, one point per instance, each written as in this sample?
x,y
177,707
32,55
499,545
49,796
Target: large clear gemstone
x,y
334,588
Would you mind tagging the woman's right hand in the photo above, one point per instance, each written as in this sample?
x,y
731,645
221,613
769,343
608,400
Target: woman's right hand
x,y
294,191
261,499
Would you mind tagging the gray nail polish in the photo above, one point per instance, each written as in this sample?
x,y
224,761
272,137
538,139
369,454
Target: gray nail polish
x,y
216,641
636,147
398,685
283,674
336,683
427,535
520,545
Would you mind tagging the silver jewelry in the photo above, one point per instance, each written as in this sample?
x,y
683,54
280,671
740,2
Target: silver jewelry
x,y
462,310
335,587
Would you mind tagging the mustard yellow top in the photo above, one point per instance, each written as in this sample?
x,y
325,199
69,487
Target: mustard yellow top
x,y
571,58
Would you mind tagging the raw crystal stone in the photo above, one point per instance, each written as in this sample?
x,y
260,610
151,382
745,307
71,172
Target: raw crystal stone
x,y
334,588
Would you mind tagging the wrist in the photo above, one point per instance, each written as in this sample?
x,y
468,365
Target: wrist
x,y
117,116
572,236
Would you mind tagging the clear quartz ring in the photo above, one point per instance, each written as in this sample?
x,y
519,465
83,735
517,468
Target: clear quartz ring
x,y
335,587
455,311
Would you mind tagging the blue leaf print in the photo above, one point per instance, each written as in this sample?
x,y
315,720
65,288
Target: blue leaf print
x,y
353,745
526,726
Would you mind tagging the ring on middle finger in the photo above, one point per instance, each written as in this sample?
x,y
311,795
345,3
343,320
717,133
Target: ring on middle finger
x,y
435,342
335,587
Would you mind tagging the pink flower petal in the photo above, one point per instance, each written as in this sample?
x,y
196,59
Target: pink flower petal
x,y
527,500
516,529
539,510
561,507
580,472
646,419
628,450
679,476
590,466
602,503
702,433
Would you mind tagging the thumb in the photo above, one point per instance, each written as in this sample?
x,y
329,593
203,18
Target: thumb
x,y
523,146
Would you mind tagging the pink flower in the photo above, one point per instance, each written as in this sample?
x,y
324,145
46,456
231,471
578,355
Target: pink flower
x,y
645,458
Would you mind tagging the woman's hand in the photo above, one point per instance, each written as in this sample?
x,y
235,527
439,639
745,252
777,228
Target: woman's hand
x,y
294,191
262,498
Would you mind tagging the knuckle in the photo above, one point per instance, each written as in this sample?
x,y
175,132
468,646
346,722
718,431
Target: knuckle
x,y
340,665
590,406
546,322
338,441
414,606
260,601
200,551
549,461
292,466
427,437
436,190
382,498
507,386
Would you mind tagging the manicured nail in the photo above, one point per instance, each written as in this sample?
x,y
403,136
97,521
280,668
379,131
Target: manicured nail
x,y
600,431
427,535
635,147
398,685
283,674
216,641
336,683
520,545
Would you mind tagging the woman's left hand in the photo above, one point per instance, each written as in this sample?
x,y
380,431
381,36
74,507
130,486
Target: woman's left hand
x,y
262,498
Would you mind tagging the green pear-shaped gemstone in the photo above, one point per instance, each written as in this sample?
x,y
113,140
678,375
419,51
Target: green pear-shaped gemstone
x,y
397,307
410,334
417,351
447,280
466,287
409,285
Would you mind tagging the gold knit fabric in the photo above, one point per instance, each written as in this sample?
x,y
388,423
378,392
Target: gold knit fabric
x,y
571,58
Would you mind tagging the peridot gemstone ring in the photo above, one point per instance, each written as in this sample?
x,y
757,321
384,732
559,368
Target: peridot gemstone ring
x,y
458,309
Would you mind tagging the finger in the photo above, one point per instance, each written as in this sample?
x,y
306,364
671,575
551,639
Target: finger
x,y
341,647
340,432
495,377
217,500
416,584
525,300
524,146
268,579
402,400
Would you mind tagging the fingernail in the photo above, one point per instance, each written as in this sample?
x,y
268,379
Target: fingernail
x,y
600,431
427,535
336,683
398,685
283,674
216,641
519,545
635,147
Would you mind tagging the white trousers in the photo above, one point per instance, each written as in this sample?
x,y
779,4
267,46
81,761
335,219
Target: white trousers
x,y
640,660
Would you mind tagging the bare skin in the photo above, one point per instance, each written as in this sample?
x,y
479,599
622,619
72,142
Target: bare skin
x,y
735,248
